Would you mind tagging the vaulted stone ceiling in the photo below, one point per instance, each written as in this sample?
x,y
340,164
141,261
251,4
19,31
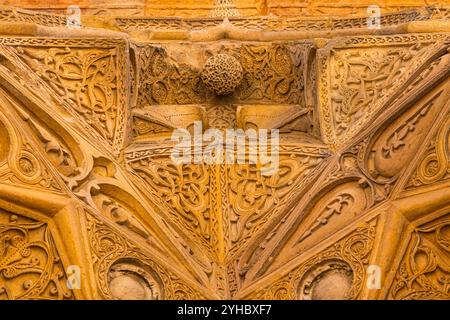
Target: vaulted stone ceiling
x,y
88,186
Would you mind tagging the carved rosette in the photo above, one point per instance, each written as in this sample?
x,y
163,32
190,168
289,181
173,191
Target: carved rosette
x,y
222,74
30,266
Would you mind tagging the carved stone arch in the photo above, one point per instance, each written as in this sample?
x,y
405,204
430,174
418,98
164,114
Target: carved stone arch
x,y
119,204
331,209
86,117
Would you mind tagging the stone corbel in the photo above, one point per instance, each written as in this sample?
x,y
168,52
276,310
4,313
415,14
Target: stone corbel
x,y
287,118
166,118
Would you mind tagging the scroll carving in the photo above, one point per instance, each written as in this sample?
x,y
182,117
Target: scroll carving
x,y
30,266
109,248
362,80
424,271
435,164
270,74
20,163
87,115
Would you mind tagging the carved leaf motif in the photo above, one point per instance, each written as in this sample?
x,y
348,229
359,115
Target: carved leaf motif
x,y
30,267
398,143
358,78
86,78
435,163
424,272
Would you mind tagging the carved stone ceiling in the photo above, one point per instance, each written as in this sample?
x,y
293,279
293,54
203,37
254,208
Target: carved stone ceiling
x,y
87,179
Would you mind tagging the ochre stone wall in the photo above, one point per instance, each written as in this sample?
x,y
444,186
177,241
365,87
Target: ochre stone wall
x,y
199,8
342,7
98,7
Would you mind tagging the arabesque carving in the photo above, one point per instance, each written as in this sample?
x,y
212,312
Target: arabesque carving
x,y
93,205
424,271
30,266
349,254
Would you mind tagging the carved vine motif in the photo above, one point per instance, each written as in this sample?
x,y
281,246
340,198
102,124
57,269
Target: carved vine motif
x,y
271,73
163,82
335,207
253,196
222,74
364,77
109,248
399,141
86,78
213,214
184,188
435,164
247,198
221,116
22,164
30,267
353,250
20,15
424,272
362,80
365,162
130,281
121,215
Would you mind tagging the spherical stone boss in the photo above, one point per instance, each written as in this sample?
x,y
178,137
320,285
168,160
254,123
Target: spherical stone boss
x,y
222,73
